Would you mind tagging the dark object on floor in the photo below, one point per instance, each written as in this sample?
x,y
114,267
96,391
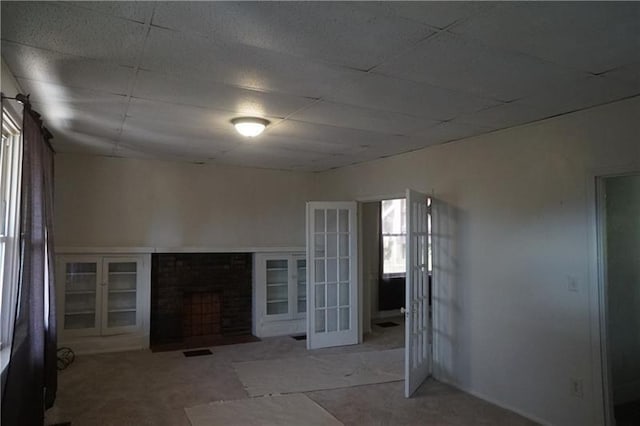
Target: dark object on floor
x,y
301,337
197,352
628,414
61,424
387,324
65,358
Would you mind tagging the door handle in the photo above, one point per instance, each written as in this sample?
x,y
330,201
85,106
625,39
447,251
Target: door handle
x,y
404,311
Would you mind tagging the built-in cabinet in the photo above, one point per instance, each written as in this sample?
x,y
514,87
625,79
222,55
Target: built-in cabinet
x,y
280,303
103,302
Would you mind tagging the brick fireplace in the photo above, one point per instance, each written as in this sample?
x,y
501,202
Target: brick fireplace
x,y
200,299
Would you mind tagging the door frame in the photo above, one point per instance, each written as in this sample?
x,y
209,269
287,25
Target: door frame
x,y
596,239
435,290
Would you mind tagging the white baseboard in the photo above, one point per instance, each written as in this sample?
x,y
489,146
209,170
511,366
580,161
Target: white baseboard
x,y
495,402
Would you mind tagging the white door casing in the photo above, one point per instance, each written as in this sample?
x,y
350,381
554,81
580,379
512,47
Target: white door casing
x,y
332,274
418,362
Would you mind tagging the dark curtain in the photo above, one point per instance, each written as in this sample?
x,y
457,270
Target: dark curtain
x,y
31,379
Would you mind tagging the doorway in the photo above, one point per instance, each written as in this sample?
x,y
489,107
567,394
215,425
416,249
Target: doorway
x,y
397,270
619,223
382,264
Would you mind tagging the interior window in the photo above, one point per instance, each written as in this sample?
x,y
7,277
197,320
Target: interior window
x,y
394,229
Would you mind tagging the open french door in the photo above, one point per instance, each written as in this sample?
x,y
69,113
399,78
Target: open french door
x,y
418,362
332,274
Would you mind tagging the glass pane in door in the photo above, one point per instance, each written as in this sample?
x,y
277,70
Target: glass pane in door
x,y
122,279
81,280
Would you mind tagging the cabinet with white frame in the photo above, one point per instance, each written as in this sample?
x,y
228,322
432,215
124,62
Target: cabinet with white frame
x,y
103,302
280,303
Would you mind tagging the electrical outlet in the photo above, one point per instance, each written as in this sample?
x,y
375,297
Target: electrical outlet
x,y
572,284
576,388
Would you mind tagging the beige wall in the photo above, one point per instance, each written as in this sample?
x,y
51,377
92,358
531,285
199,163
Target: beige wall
x,y
515,225
103,201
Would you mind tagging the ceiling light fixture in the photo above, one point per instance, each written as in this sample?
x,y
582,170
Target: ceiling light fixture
x,y
250,126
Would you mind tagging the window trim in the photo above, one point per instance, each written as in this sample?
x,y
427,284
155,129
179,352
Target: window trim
x,y
389,275
11,167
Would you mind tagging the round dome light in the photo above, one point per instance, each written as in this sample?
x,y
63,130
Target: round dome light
x,y
250,126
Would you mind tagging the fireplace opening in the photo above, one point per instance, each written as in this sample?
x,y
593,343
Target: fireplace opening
x,y
201,314
200,299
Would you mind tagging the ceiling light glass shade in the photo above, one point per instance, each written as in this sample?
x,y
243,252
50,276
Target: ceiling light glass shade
x,y
250,126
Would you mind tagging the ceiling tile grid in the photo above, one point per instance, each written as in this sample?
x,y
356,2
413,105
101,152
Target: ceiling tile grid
x,y
72,30
590,36
181,54
402,96
68,70
209,94
341,82
453,61
345,33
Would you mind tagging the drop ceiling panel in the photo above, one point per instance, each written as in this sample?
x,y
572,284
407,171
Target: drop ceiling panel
x,y
262,162
85,123
362,118
138,11
166,139
74,71
332,134
511,114
76,31
590,36
346,33
570,95
256,155
194,17
205,93
166,113
461,63
268,140
68,141
63,102
143,131
449,131
419,99
181,54
439,14
629,74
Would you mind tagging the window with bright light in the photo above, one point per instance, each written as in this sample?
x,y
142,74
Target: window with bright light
x,y
394,236
10,166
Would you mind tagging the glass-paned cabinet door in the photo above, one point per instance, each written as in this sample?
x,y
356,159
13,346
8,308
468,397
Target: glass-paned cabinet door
x,y
301,284
277,281
121,294
81,296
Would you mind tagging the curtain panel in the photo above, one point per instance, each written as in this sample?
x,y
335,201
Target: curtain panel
x,y
31,379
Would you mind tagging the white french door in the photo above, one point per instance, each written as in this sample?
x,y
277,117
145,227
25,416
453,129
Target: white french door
x,y
332,274
417,328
